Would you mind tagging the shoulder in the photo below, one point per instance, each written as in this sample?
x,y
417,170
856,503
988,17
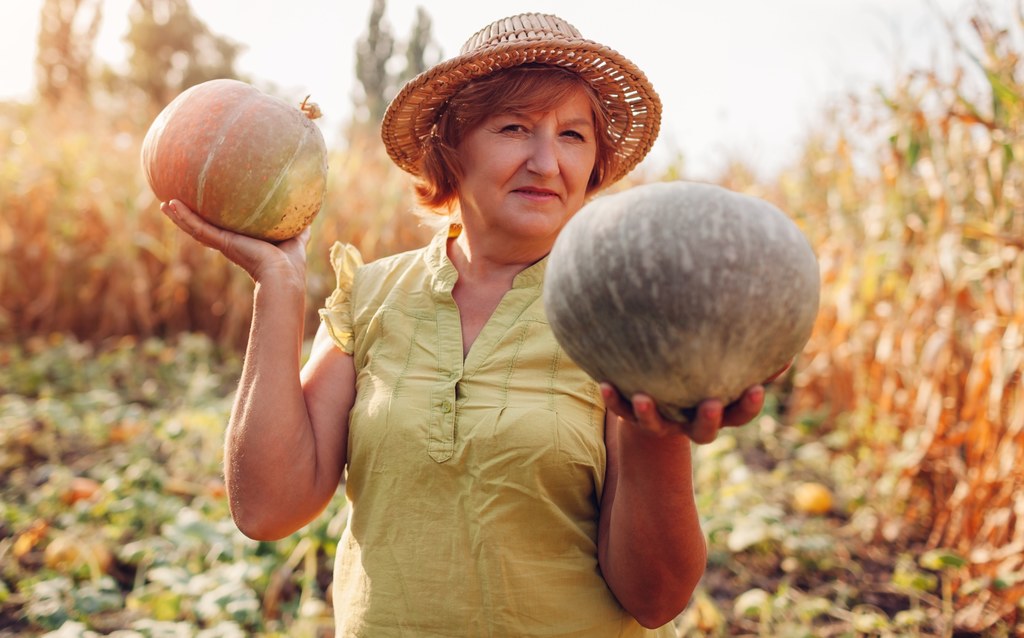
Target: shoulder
x,y
382,269
399,279
352,273
409,266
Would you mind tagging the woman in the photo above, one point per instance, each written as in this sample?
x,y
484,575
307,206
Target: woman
x,y
495,489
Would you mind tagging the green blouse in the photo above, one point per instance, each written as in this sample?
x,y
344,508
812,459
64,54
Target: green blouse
x,y
474,484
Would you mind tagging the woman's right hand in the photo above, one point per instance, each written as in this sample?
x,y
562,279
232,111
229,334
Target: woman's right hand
x,y
261,259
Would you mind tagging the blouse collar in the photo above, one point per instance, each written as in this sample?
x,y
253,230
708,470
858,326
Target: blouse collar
x,y
444,273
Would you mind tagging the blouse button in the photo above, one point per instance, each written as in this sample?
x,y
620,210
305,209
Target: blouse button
x,y
446,406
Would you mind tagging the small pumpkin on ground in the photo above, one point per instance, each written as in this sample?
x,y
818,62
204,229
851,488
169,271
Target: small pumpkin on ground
x,y
683,291
812,498
242,159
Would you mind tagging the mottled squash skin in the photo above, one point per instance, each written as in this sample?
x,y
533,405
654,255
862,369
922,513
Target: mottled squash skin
x,y
684,291
243,160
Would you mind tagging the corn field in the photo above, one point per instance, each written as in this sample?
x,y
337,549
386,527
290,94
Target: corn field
x,y
912,196
919,347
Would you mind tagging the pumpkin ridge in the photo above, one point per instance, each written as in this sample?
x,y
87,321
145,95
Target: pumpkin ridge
x,y
250,102
281,175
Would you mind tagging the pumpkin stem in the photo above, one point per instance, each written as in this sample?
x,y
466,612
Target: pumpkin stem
x,y
311,109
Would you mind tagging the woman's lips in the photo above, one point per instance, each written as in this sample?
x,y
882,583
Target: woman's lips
x,y
540,193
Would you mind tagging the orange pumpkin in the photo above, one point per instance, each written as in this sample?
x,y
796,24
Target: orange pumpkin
x,y
243,160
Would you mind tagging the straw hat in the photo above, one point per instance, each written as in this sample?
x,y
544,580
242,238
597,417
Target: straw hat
x,y
529,38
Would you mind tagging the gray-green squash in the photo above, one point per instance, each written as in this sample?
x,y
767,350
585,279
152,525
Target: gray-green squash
x,y
682,290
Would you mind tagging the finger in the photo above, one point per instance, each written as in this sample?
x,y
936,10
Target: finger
x,y
298,240
295,247
303,238
174,215
242,250
200,229
615,402
746,408
708,420
646,414
186,219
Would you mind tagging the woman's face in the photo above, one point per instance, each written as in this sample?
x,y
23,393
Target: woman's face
x,y
526,174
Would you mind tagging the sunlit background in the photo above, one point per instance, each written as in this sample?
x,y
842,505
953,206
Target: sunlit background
x,y
739,78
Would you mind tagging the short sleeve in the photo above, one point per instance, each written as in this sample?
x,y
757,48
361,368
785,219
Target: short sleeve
x,y
337,311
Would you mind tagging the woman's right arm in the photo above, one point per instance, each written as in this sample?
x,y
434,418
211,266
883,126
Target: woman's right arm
x,y
286,440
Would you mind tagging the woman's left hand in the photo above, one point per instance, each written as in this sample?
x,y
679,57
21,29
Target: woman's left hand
x,y
710,416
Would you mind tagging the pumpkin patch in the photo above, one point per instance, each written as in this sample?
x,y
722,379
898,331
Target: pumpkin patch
x,y
683,291
241,159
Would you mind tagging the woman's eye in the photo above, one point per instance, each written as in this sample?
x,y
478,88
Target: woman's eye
x,y
512,128
574,134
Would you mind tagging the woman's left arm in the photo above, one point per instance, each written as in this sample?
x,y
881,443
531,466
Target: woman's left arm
x,y
650,544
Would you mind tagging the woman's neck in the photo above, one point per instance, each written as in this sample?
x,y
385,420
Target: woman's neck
x,y
488,262
484,278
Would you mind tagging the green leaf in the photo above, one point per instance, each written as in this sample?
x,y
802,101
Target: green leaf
x,y
910,618
939,559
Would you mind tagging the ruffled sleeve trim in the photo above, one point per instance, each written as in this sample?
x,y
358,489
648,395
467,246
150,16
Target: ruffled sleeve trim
x,y
336,314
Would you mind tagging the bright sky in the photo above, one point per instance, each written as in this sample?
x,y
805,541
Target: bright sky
x,y
737,77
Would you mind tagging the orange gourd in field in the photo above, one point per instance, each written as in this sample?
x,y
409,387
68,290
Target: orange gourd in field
x,y
242,159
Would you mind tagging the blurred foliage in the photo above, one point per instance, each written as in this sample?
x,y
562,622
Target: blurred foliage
x,y
113,514
67,35
85,250
421,52
376,52
905,411
917,357
171,49
373,52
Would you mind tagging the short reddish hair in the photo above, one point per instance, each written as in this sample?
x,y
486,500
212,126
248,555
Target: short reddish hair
x,y
527,89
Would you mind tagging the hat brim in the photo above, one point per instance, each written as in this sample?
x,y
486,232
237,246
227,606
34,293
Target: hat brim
x,y
634,108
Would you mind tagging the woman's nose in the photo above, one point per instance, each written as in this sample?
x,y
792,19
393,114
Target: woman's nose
x,y
543,158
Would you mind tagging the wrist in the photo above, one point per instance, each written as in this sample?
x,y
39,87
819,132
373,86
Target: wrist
x,y
279,303
641,448
280,285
